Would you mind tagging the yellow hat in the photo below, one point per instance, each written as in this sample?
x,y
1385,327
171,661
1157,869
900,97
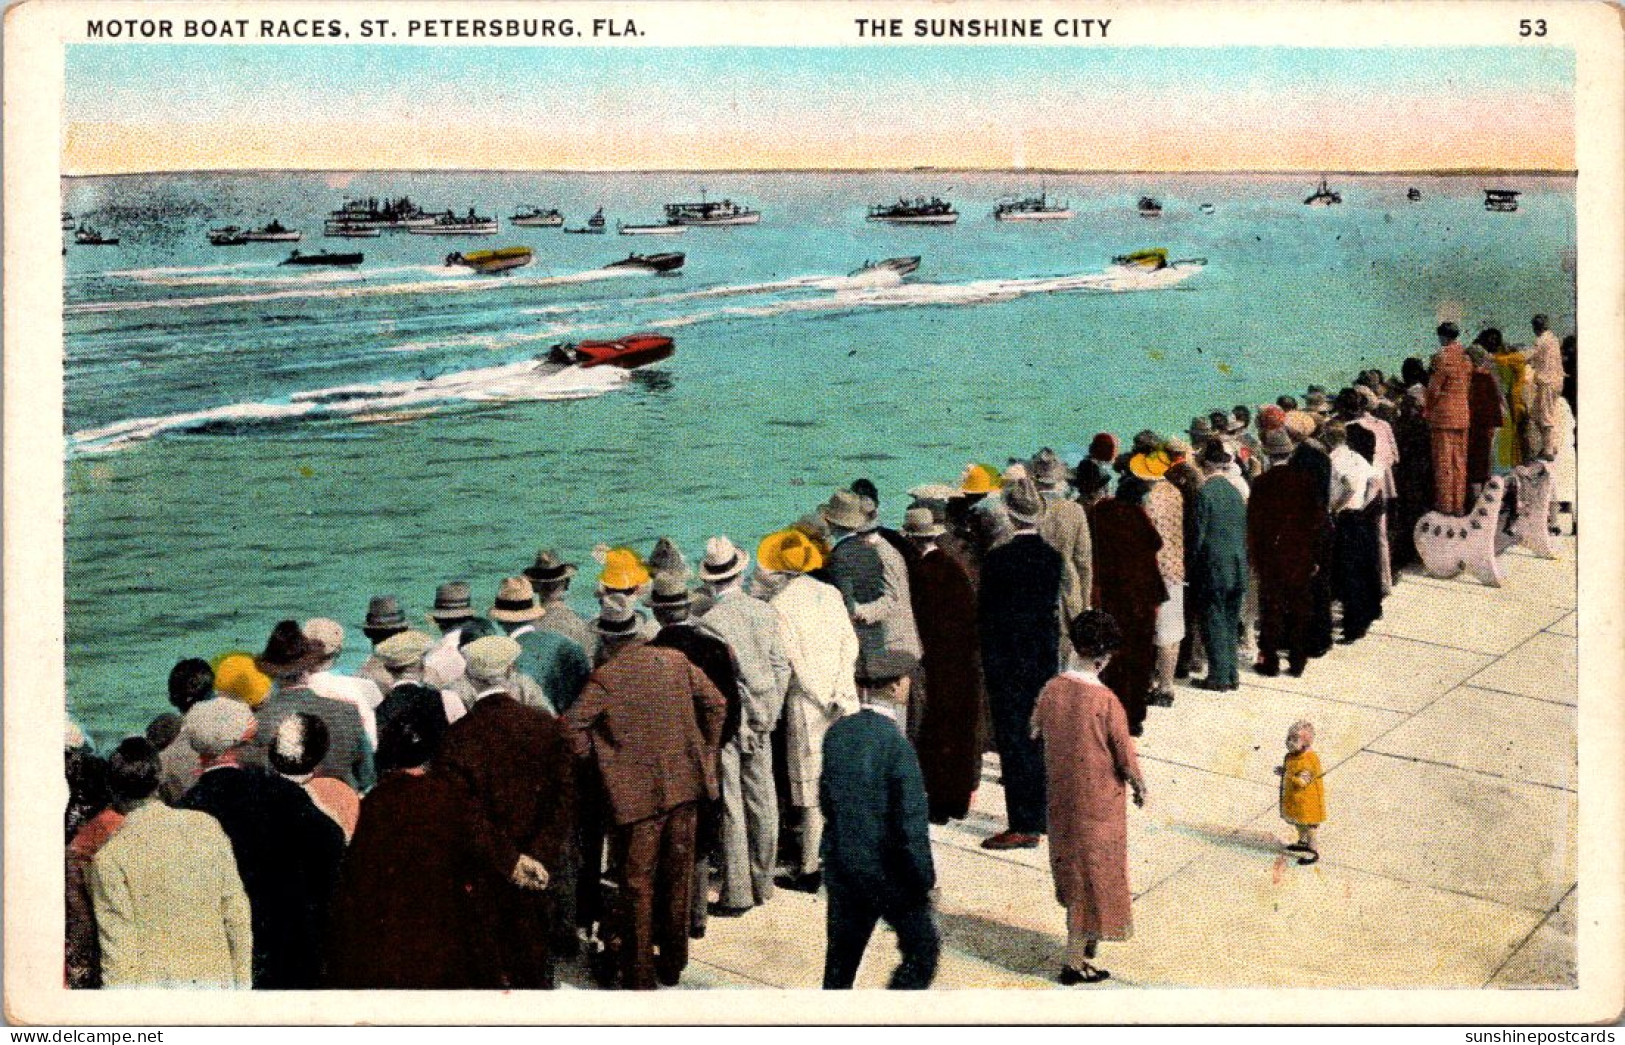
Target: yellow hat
x,y
623,569
236,676
979,478
789,551
1149,466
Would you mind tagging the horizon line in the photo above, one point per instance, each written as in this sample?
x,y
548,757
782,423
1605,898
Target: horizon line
x,y
1306,172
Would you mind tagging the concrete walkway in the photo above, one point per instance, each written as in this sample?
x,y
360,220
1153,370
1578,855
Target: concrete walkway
x,y
1448,736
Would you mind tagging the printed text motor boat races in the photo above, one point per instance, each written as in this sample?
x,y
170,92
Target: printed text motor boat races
x,y
366,28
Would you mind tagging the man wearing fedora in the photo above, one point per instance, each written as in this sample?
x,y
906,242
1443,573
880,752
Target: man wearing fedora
x,y
402,656
823,653
452,611
750,809
650,722
515,776
384,618
1065,526
289,659
361,694
672,602
550,576
951,740
1219,567
888,643
560,665
1019,625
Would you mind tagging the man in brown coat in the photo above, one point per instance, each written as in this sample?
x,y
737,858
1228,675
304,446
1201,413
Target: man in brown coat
x,y
651,722
1448,417
512,768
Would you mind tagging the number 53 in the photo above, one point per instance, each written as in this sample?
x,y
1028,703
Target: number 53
x,y
1532,27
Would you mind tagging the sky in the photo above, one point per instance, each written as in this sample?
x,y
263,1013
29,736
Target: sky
x,y
131,108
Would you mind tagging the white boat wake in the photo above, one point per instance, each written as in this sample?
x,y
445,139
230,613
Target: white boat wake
x,y
513,382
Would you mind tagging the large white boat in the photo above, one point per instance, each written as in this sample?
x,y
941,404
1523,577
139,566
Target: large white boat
x,y
373,213
536,217
711,212
275,232
1032,208
449,224
918,211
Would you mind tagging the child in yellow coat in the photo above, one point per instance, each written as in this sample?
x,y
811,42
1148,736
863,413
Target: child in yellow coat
x,y
1303,796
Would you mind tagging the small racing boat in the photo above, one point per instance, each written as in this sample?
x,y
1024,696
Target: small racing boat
x,y
227,236
488,261
1149,207
650,262
354,232
323,258
86,236
628,352
901,266
663,229
1152,259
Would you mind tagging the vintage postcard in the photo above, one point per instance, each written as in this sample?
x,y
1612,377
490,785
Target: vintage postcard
x,y
734,501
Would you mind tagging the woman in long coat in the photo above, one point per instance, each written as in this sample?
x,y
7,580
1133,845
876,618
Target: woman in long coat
x,y
1089,758
1131,589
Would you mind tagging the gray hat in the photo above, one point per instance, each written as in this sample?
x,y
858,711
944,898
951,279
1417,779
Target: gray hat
x,y
1201,430
1048,470
844,509
668,558
491,657
453,600
384,611
1277,443
919,522
1023,501
549,568
217,725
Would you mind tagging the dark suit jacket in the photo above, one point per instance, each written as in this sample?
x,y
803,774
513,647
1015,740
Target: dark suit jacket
x,y
288,854
876,826
710,654
636,720
349,754
1220,524
1286,520
1018,614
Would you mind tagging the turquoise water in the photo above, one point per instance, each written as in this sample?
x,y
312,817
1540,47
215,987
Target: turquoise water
x,y
218,483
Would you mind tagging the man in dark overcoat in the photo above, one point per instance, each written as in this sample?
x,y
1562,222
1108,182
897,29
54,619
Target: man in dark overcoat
x,y
514,772
1286,543
1219,563
1131,589
1019,624
651,723
950,741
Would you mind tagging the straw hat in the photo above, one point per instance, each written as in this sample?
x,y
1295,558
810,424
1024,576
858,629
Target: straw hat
x,y
326,633
723,561
288,652
1300,425
1023,502
934,492
491,657
919,522
215,726
549,568
670,590
516,602
453,600
623,569
788,551
978,478
1149,467
236,676
403,650
617,618
844,509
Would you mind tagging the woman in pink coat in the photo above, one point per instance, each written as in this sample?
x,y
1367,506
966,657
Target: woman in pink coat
x,y
1088,757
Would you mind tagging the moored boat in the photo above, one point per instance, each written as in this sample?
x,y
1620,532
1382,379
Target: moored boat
x,y
650,262
666,229
67,221
918,211
711,212
86,236
354,233
901,266
1413,194
488,261
323,258
372,213
536,217
1149,207
1032,208
1323,196
227,236
628,352
1502,201
449,224
274,232
594,226
1206,208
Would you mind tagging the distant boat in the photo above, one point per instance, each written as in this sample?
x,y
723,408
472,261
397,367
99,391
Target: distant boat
x,y
901,266
86,236
649,262
1413,194
449,224
1032,208
1206,208
667,229
275,232
1503,201
594,226
1323,196
488,261
323,258
535,217
354,233
1149,207
628,352
67,221
711,213
918,211
227,236
372,213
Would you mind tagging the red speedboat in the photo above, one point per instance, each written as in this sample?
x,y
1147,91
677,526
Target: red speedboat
x,y
628,352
